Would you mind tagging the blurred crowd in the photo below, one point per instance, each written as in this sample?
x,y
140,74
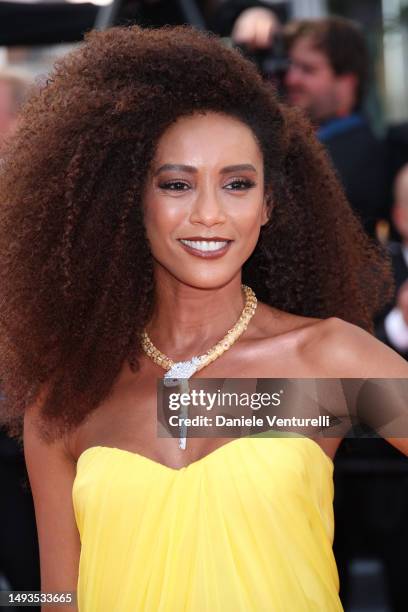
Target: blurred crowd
x,y
321,65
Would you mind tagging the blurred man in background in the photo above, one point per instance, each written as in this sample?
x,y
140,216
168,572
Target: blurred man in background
x,y
393,325
327,77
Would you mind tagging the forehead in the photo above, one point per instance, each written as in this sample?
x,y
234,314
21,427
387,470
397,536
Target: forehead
x,y
210,136
304,49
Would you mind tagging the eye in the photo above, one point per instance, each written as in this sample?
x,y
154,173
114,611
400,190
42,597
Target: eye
x,y
240,185
174,186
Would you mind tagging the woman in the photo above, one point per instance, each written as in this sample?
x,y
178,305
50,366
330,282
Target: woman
x,y
151,176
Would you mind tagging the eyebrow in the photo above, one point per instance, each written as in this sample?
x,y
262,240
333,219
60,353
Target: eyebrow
x,y
193,170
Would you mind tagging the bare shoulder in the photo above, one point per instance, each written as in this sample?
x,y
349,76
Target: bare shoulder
x,y
294,339
330,347
345,350
273,323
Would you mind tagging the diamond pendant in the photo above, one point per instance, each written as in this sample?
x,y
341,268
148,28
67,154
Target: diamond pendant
x,y
181,369
176,376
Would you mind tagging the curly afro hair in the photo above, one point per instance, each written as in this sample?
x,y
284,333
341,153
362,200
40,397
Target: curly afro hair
x,y
76,272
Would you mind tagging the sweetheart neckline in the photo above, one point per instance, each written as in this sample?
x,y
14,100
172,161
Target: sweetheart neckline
x,y
201,459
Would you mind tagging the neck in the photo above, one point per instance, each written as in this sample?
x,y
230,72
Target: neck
x,y
188,321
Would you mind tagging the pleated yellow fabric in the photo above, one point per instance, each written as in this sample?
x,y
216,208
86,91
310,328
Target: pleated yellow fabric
x,y
247,528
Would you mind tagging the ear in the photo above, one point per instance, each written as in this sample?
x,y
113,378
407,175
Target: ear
x,y
266,208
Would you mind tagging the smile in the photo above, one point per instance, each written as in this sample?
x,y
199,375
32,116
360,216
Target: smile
x,y
206,248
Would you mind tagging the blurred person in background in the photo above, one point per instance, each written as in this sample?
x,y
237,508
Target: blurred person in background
x,y
252,23
328,77
256,23
392,328
19,555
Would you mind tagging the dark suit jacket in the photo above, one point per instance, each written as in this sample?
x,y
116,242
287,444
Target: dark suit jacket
x,y
360,160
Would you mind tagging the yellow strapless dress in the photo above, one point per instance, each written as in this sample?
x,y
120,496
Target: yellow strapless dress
x,y
247,528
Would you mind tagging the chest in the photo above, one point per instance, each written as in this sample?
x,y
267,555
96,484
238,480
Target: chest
x,y
128,419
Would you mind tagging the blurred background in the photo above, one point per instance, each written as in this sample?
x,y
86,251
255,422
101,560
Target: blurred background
x,y
33,34
351,78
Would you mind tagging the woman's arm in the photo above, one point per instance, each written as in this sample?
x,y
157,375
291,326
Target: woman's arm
x,y
51,472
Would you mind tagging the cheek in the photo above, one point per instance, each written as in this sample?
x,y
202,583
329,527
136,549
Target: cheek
x,y
247,220
161,217
316,85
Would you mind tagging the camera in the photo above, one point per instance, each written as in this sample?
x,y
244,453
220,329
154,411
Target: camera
x,y
272,63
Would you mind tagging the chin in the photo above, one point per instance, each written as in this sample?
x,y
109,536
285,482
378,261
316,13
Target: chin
x,y
200,274
207,282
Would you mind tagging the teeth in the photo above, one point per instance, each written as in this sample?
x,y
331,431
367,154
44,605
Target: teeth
x,y
205,245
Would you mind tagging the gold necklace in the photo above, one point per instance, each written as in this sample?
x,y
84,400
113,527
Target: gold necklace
x,y
185,369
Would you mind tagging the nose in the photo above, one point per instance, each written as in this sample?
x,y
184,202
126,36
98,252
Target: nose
x,y
208,208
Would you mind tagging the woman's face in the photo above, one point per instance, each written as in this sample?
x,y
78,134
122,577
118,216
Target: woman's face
x,y
204,200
